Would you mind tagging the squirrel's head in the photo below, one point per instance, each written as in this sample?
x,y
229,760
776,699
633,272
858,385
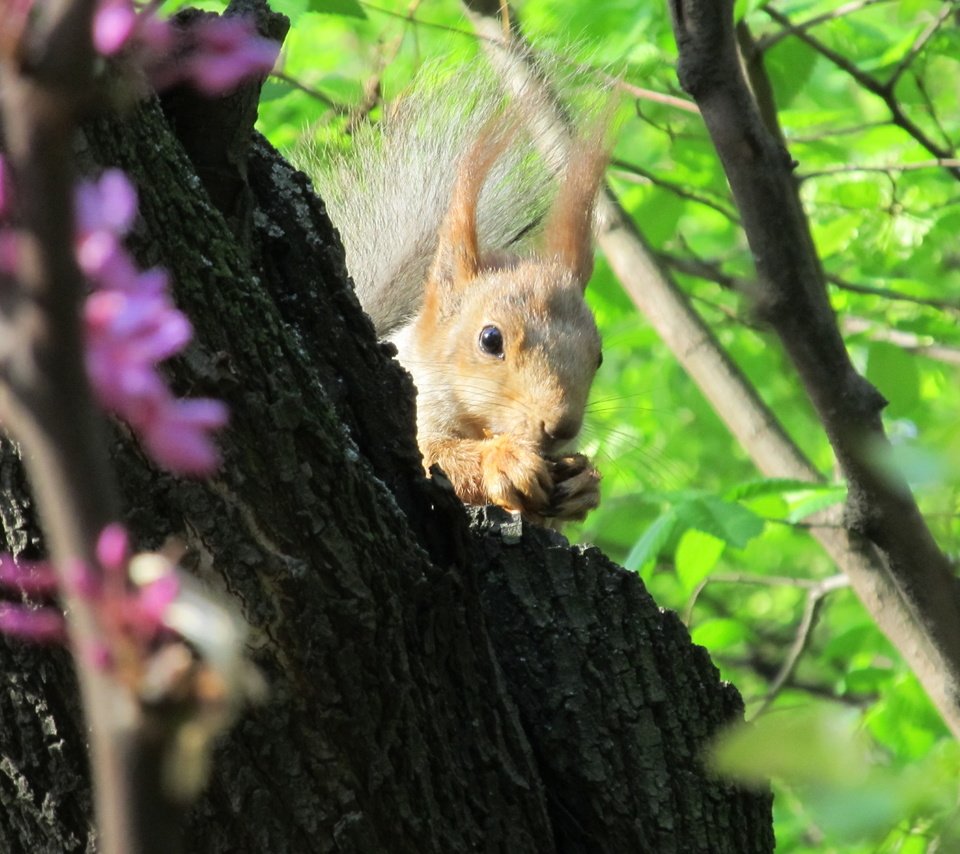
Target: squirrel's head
x,y
514,351
508,346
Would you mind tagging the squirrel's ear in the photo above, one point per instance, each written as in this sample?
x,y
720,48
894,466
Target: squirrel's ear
x,y
458,253
568,231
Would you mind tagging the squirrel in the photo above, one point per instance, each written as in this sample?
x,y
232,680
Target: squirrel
x,y
438,208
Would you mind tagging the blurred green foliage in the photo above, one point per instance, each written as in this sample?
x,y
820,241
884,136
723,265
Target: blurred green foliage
x,y
859,759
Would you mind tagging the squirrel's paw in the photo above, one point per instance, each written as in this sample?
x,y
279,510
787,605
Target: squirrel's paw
x,y
516,477
576,488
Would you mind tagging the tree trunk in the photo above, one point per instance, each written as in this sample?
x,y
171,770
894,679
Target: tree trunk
x,y
435,684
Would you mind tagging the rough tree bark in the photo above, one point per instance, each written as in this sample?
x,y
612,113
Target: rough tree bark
x,y
434,686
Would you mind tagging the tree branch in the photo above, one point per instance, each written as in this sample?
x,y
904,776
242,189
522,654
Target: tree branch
x,y
884,91
44,397
925,621
916,630
768,41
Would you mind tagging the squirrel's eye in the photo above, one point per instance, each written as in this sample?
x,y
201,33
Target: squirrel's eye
x,y
491,341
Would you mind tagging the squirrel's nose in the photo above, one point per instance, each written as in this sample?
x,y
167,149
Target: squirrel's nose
x,y
561,430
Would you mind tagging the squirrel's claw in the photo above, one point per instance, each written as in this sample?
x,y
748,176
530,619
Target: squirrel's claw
x,y
576,488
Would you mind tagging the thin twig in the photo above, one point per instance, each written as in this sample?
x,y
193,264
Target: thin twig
x,y
891,294
45,401
871,84
889,552
747,578
340,109
638,92
811,610
904,340
768,41
920,43
630,171
885,168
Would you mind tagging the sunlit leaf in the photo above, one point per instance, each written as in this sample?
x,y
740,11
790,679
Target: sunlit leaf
x,y
733,523
697,553
719,633
350,8
646,549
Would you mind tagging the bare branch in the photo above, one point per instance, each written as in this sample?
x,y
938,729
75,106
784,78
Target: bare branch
x,y
890,294
886,168
871,84
920,43
656,97
768,41
811,610
747,578
630,171
923,619
905,340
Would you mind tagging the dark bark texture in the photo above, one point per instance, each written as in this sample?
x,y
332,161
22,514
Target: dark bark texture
x,y
436,684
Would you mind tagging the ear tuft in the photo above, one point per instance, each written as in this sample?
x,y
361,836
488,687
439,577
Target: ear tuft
x,y
457,259
568,232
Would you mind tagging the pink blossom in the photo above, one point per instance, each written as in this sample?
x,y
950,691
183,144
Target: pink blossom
x,y
113,547
131,326
227,51
39,624
154,598
113,25
129,606
213,54
35,577
4,188
178,437
108,204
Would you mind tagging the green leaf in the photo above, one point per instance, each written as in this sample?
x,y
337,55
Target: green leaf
x,y
733,523
646,549
816,744
894,371
347,8
773,486
719,633
789,64
293,9
274,90
696,555
813,502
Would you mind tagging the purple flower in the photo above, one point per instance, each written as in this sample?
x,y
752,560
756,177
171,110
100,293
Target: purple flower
x,y
4,188
35,577
39,624
113,24
178,436
214,54
108,204
126,336
226,52
131,325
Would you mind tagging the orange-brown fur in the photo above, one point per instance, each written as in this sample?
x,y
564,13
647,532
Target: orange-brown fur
x,y
497,426
438,206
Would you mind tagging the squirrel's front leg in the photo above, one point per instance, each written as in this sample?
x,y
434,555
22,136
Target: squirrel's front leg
x,y
576,488
499,470
511,474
